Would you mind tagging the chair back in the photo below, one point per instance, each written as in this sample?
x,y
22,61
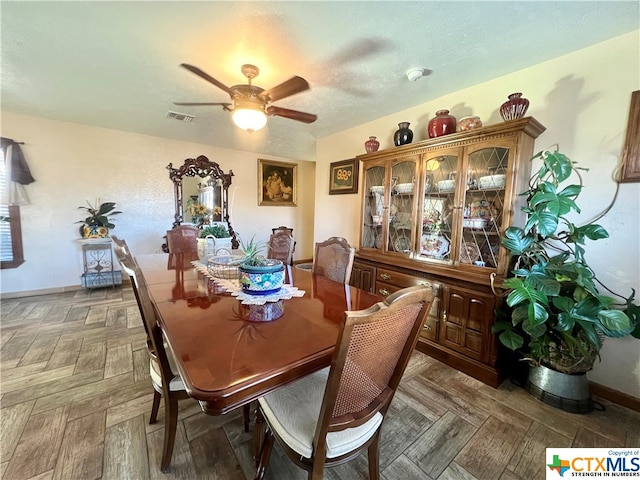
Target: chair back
x,y
155,342
183,239
372,353
333,259
282,228
280,247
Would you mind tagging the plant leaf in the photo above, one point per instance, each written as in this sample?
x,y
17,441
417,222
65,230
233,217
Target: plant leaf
x,y
511,339
614,323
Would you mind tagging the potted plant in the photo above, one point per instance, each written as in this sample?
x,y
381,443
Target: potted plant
x,y
556,316
214,240
259,275
97,224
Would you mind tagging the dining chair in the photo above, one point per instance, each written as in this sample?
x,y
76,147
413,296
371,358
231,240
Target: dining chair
x,y
333,259
280,247
183,239
332,415
167,385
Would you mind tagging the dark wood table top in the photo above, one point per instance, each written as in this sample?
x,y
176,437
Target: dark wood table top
x,y
227,361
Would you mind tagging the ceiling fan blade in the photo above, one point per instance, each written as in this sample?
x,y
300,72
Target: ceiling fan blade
x,y
207,77
292,114
203,103
286,89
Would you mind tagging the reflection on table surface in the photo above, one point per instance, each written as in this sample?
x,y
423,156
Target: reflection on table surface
x,y
226,360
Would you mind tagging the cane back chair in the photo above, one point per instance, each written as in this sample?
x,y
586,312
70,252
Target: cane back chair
x,y
331,416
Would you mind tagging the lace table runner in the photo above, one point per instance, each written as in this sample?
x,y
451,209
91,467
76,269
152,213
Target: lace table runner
x,y
233,286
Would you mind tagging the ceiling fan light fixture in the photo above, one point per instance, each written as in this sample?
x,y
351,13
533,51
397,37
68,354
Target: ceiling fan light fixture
x,y
249,119
248,114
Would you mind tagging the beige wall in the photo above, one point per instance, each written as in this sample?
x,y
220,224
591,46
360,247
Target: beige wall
x,y
583,100
73,163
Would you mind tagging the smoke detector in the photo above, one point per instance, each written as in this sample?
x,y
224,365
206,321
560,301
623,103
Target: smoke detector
x,y
414,74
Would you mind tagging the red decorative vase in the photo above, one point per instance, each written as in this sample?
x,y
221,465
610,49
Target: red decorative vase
x,y
371,145
441,124
514,108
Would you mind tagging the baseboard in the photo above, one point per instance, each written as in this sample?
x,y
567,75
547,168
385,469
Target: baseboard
x,y
615,396
307,260
50,291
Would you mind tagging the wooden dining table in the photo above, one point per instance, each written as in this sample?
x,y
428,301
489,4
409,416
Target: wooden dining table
x,y
229,353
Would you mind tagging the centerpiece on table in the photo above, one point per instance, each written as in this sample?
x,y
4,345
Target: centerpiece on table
x,y
259,275
97,224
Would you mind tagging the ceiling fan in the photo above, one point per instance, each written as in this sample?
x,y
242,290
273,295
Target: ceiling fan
x,y
251,104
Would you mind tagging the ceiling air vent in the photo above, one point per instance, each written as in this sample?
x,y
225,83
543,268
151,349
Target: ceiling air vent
x,y
184,117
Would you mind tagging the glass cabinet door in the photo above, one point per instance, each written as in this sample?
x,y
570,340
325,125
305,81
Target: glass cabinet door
x,y
438,215
401,207
373,207
484,205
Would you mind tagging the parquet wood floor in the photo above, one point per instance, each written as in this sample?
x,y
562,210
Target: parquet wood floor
x,y
76,396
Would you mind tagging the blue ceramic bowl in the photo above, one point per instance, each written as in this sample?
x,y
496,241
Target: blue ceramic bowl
x,y
263,279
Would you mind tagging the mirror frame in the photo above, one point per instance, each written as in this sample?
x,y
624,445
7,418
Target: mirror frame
x,y
201,167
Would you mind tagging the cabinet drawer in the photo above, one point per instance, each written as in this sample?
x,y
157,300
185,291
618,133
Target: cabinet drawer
x,y
430,327
401,280
385,289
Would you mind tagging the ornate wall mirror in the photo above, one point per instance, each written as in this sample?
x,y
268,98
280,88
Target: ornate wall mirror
x,y
201,192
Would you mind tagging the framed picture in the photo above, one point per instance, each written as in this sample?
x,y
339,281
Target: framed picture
x,y
631,152
343,177
277,183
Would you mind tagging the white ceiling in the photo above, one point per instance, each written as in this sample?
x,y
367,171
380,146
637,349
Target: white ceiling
x,y
116,64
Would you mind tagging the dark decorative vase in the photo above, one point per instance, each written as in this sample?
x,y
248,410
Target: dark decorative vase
x,y
514,108
441,124
403,135
371,145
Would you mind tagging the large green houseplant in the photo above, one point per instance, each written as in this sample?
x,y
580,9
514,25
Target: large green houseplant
x,y
557,315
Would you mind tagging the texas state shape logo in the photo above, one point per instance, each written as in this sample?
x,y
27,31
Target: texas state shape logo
x,y
560,465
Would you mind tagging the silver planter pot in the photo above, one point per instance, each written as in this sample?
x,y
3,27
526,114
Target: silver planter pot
x,y
569,392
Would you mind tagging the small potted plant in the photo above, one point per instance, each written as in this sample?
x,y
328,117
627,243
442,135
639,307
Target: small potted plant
x,y
98,223
214,240
259,275
556,317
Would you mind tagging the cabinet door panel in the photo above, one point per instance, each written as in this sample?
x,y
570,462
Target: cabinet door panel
x,y
485,208
375,191
436,210
363,276
467,319
402,205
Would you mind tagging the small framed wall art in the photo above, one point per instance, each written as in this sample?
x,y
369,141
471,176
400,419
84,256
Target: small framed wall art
x,y
343,177
631,152
277,183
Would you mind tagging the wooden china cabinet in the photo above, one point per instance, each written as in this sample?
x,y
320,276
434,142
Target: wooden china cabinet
x,y
433,212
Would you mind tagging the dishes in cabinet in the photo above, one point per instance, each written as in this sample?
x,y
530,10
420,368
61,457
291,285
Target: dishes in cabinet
x,y
431,218
469,253
377,242
401,244
434,245
404,188
492,181
445,186
475,223
377,189
483,209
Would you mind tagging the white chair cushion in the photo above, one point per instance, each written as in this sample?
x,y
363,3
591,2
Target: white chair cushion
x,y
293,410
175,385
